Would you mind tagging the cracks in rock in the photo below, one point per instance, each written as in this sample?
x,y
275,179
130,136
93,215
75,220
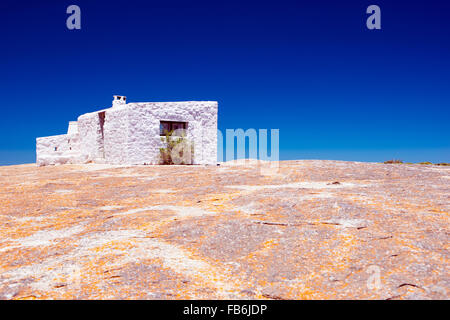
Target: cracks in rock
x,y
410,285
283,224
115,269
273,297
395,297
145,237
289,224
382,238
394,255
403,294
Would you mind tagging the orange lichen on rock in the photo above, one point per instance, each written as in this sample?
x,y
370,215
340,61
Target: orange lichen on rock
x,y
242,230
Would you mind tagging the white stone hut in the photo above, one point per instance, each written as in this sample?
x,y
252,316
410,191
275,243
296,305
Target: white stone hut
x,y
130,133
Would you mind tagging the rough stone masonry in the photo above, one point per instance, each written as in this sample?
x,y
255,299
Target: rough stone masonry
x,y
129,133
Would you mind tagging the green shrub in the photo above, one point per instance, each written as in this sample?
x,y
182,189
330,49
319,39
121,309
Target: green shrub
x,y
393,161
426,162
175,144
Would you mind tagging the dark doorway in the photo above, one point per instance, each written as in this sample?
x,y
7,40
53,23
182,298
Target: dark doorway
x,y
101,120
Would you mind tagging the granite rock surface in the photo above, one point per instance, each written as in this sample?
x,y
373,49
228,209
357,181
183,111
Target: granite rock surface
x,y
306,230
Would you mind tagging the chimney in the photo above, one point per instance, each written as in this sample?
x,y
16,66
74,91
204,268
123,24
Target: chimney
x,y
119,100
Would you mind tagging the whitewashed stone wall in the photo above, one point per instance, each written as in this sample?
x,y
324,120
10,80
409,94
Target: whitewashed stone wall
x,y
60,149
116,135
89,133
131,134
140,122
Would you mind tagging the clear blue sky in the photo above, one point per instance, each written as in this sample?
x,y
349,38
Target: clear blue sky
x,y
335,89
